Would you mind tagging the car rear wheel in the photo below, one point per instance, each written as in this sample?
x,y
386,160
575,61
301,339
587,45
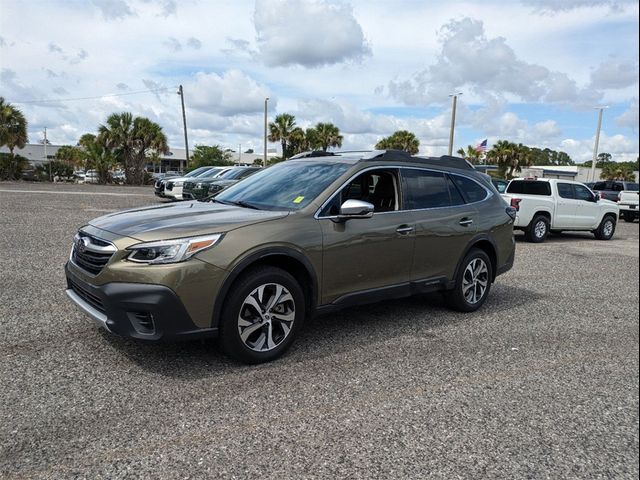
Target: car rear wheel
x,y
473,282
262,315
606,229
538,229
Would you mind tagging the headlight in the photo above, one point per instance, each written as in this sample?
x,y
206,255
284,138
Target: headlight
x,y
171,251
178,184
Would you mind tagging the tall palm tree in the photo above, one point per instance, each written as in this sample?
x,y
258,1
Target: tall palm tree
x,y
131,140
98,156
328,135
13,127
400,140
280,130
503,154
471,154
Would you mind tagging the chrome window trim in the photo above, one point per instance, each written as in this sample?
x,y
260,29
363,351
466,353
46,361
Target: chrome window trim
x,y
399,167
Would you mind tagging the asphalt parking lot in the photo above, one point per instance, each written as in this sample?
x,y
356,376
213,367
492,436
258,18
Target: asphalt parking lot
x,y
541,383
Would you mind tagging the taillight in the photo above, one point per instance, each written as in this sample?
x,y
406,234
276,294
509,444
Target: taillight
x,y
515,203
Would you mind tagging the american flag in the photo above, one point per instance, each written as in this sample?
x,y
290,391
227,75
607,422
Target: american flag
x,y
482,146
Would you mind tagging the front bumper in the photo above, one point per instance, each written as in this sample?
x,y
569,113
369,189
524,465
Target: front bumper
x,y
136,310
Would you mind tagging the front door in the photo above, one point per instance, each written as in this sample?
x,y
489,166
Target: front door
x,y
370,253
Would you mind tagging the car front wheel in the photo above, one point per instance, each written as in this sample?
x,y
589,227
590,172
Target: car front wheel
x,y
262,315
606,229
473,282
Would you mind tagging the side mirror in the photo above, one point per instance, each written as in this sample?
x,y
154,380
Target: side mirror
x,y
355,209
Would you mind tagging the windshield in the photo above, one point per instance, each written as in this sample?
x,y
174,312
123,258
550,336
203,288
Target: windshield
x,y
209,171
212,173
237,173
290,185
196,172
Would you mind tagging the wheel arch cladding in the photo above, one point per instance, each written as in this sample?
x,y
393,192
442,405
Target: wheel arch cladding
x,y
291,261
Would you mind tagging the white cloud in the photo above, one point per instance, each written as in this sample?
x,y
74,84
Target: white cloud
x,y
308,33
194,43
228,94
621,147
113,9
487,67
173,44
629,117
551,6
615,74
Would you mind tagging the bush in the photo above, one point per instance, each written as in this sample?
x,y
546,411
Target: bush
x,y
11,167
58,169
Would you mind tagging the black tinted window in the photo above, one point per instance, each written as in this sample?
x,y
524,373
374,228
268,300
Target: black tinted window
x,y
583,193
617,186
600,186
529,187
565,190
456,196
471,191
425,189
633,187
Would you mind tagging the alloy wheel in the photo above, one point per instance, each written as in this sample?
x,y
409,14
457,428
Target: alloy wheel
x,y
608,228
266,317
540,229
475,281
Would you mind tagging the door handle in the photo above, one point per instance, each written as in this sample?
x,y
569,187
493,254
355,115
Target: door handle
x,y
465,222
404,229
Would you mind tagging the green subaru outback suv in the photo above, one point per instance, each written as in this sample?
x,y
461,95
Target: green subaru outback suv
x,y
305,236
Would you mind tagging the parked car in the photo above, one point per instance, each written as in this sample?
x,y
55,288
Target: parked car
x,y
204,188
301,237
501,185
172,187
628,203
610,189
550,205
158,184
191,188
91,176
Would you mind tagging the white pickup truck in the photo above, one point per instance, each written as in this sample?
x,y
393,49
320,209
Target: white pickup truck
x,y
628,202
550,205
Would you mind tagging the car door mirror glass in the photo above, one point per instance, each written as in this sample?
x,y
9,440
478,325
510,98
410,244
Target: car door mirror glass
x,y
355,209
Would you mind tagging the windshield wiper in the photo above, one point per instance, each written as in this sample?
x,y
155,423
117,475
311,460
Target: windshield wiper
x,y
241,203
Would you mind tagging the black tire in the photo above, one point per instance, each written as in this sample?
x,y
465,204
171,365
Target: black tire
x,y
606,229
456,298
537,230
229,336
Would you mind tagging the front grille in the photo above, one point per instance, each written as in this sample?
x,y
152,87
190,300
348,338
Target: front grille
x,y
189,185
91,253
87,296
169,186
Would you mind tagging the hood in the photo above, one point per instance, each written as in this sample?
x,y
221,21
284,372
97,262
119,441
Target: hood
x,y
185,219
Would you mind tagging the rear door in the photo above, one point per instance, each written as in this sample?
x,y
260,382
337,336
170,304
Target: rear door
x,y
445,222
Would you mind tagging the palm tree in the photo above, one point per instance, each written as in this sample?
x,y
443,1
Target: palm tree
x,y
502,154
327,135
13,127
280,130
400,140
471,154
13,133
98,156
131,140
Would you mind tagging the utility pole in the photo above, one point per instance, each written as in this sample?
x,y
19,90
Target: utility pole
x,y
595,146
264,158
184,124
453,120
239,153
46,158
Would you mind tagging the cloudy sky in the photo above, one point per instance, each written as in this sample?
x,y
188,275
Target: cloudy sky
x,y
530,71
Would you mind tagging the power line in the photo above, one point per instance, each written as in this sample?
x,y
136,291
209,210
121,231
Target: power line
x,y
53,100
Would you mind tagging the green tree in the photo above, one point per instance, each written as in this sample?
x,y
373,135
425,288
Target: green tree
x,y
13,134
98,156
204,155
72,156
618,171
280,131
400,140
503,154
471,154
327,135
132,140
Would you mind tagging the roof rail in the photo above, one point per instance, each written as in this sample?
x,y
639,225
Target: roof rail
x,y
314,153
402,156
395,155
447,161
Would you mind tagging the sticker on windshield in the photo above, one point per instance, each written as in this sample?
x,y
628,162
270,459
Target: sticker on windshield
x,y
298,199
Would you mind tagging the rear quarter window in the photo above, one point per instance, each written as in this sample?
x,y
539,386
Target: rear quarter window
x,y
470,190
529,187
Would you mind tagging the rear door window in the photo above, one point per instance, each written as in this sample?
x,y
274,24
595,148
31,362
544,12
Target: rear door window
x,y
425,189
600,186
529,187
565,190
470,190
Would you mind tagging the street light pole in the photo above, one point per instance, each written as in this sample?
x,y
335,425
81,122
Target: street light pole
x,y
184,124
46,158
595,146
264,154
453,120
